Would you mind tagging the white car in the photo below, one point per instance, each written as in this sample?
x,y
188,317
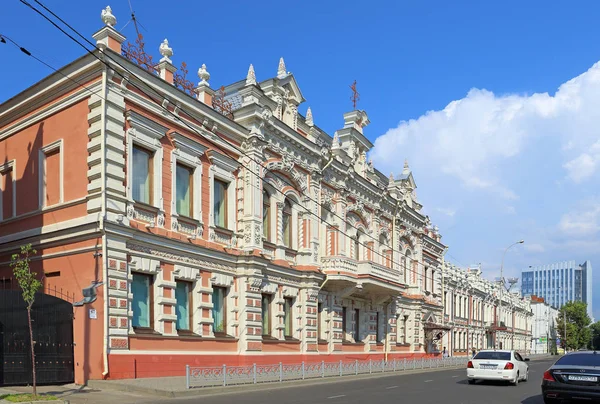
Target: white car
x,y
491,364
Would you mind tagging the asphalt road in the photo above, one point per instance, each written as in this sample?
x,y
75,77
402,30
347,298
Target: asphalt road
x,y
445,386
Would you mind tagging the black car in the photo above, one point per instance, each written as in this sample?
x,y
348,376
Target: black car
x,y
574,376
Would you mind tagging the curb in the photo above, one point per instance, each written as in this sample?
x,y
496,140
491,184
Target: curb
x,y
37,402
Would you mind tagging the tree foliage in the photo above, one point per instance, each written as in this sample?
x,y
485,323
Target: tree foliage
x,y
27,280
578,333
595,338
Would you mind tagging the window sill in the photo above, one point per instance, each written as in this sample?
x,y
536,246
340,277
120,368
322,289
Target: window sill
x,y
404,344
267,243
145,331
187,219
352,343
145,206
224,230
322,341
287,340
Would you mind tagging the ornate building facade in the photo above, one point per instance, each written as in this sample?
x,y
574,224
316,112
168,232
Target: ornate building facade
x,y
215,226
482,315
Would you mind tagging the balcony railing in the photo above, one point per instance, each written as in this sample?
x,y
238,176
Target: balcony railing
x,y
380,271
338,263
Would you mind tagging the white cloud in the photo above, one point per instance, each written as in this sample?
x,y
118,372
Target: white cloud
x,y
534,248
584,166
446,211
581,222
470,138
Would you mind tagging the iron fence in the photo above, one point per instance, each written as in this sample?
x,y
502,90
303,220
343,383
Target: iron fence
x,y
252,374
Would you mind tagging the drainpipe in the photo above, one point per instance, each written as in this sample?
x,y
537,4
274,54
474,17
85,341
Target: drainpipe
x,y
103,216
385,345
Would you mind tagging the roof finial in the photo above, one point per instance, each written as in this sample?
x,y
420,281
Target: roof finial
x,y
251,77
406,169
107,17
165,51
281,70
309,118
355,95
392,177
204,76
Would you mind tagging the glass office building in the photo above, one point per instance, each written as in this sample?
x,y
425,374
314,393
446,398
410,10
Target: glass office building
x,y
559,283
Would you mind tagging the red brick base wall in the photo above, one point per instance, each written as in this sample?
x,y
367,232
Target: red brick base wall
x,y
130,366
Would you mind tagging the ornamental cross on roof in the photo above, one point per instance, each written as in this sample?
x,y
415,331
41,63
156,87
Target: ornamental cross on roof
x,y
355,95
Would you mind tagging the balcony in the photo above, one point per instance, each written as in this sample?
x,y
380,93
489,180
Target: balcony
x,y
360,278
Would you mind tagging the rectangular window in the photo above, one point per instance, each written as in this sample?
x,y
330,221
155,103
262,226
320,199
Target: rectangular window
x,y
141,289
288,305
319,319
266,314
6,191
183,296
141,165
356,325
266,217
405,331
51,175
377,328
344,324
183,185
219,313
220,203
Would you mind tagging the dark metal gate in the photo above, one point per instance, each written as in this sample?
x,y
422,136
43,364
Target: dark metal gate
x,y
52,320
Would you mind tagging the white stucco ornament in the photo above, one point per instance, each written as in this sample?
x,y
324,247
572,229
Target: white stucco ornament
x,y
251,76
309,117
204,76
108,18
281,70
165,51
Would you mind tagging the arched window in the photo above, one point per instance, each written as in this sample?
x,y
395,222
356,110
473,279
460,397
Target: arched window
x,y
406,264
287,223
266,215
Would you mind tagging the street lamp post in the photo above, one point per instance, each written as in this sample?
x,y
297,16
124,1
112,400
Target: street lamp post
x,y
502,276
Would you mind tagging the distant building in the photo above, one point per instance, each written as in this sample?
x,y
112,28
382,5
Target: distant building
x,y
560,283
543,326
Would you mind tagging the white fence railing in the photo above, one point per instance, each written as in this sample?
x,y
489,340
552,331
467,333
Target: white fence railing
x,y
252,374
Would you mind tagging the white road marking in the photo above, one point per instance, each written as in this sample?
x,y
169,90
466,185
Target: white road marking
x,y
391,387
427,381
341,395
455,376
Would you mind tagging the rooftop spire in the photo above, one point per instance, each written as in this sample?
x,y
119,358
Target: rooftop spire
x,y
309,117
281,70
251,76
406,169
108,18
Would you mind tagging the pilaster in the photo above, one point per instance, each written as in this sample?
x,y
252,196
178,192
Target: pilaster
x,y
251,221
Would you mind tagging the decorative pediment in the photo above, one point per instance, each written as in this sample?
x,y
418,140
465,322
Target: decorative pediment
x,y
294,94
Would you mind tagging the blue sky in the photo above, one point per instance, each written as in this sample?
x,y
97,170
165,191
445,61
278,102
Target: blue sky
x,y
495,106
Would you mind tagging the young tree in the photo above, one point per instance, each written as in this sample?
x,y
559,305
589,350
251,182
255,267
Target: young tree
x,y
29,285
595,329
578,333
